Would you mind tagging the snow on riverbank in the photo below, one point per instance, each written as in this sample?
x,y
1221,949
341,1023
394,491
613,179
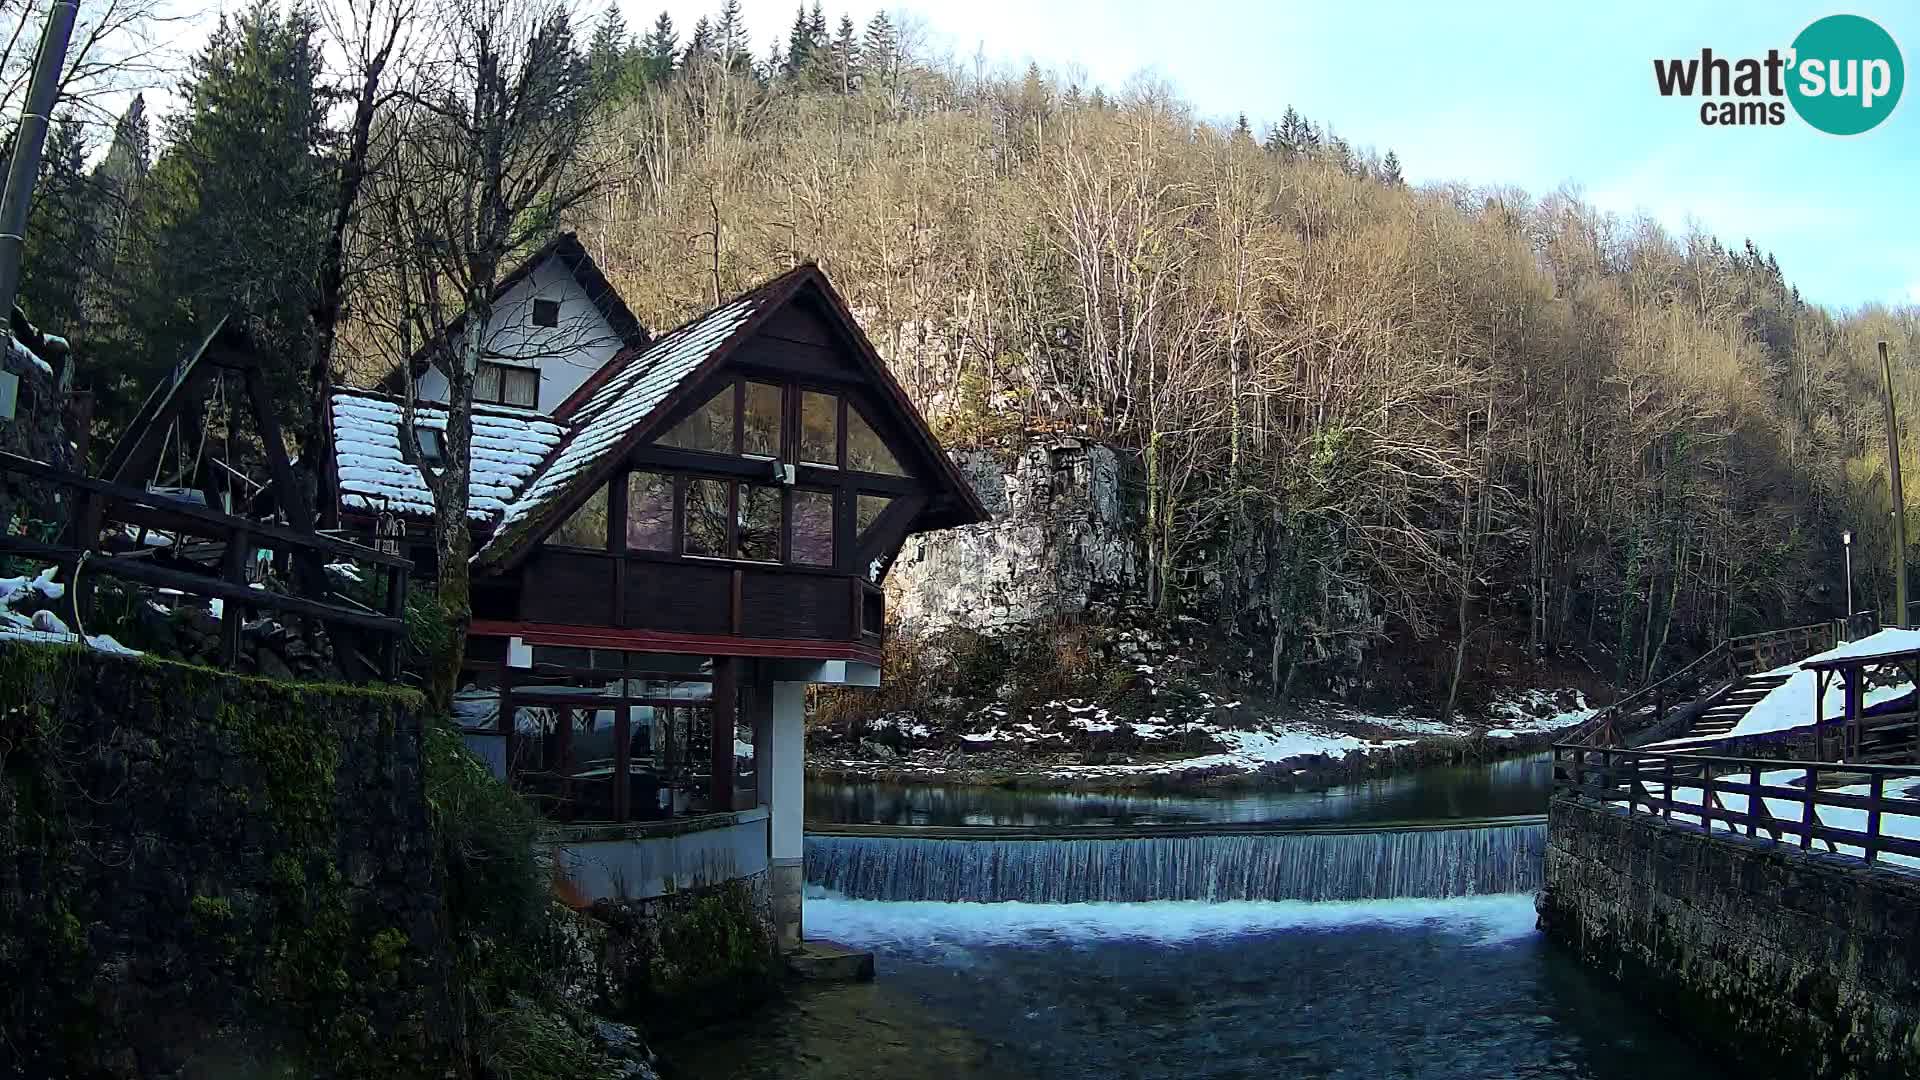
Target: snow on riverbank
x,y
1073,740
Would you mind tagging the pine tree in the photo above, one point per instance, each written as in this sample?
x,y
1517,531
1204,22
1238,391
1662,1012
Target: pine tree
x,y
1390,170
700,47
62,252
1271,142
658,48
1241,129
608,53
730,37
877,49
1294,134
799,43
235,213
846,55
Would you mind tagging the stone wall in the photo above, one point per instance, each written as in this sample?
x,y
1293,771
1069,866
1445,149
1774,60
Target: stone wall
x,y
1793,963
212,875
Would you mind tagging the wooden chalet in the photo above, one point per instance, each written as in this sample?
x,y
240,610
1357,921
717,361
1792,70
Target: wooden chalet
x,y
667,551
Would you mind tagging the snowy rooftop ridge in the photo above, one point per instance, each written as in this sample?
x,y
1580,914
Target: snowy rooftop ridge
x,y
509,445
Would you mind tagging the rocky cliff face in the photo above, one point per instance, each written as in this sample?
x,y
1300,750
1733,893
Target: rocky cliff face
x,y
1065,534
1067,542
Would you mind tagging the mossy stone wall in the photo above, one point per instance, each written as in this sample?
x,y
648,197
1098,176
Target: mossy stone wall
x,y
1789,962
210,875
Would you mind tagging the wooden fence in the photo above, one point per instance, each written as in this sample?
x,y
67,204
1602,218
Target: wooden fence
x,y
1710,673
95,502
1738,793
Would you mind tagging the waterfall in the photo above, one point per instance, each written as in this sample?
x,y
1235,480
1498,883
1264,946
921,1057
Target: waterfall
x,y
1286,866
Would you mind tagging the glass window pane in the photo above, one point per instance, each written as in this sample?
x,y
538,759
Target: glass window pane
x,y
868,510
710,428
819,428
649,512
706,525
813,528
587,526
521,386
760,522
761,433
486,382
865,451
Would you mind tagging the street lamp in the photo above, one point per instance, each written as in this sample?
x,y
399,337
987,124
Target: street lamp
x,y
1846,545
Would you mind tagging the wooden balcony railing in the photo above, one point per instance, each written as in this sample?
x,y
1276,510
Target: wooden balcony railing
x,y
233,540
1865,810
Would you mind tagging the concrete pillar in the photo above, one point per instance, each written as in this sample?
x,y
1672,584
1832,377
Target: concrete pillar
x,y
785,771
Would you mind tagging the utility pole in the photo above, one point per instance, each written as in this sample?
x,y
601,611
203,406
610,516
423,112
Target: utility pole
x,y
1899,502
29,139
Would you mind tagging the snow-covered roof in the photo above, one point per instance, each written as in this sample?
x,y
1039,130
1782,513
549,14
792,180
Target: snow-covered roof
x,y
627,398
509,446
1887,643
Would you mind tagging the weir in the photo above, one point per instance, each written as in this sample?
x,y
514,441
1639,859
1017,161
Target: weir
x,y
1303,864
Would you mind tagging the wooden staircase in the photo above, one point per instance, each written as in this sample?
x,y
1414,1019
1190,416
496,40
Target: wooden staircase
x,y
1725,710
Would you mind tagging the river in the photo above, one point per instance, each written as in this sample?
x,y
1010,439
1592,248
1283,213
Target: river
x,y
1512,786
1307,953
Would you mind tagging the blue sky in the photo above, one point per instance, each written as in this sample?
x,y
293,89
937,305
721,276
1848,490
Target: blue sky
x,y
1536,94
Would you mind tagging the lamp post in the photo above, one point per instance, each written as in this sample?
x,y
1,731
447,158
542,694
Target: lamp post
x,y
1846,546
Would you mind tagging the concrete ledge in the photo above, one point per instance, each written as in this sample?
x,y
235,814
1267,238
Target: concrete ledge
x,y
819,960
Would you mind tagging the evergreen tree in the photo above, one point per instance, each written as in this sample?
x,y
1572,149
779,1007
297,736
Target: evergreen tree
x,y
730,37
878,48
1272,142
700,47
799,43
846,55
608,54
1390,170
1241,129
235,215
658,48
61,253
1293,135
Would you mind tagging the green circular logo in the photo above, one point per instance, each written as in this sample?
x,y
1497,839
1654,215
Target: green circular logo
x,y
1846,74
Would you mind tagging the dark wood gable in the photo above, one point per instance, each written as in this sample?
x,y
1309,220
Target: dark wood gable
x,y
761,505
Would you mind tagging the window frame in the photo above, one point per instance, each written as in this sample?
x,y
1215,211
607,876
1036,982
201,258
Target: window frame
x,y
543,304
501,399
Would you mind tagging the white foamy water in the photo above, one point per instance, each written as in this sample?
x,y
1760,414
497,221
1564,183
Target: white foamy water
x,y
1479,920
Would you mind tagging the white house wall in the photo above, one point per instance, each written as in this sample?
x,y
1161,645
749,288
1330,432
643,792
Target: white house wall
x,y
565,354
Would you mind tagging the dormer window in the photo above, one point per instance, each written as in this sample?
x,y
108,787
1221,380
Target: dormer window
x,y
546,313
432,444
506,384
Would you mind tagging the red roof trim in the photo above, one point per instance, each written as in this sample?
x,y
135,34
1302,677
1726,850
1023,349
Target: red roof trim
x,y
609,637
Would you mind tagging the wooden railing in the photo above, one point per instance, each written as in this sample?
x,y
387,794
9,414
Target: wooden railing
x,y
1708,674
95,502
1737,794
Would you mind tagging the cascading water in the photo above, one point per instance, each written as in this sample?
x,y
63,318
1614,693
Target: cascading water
x,y
1285,866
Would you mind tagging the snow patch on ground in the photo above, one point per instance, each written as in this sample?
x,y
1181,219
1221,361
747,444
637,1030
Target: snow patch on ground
x,y
44,627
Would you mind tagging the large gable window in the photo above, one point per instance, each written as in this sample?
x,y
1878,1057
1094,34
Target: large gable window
x,y
506,384
727,519
819,429
586,527
865,450
710,428
760,430
812,528
649,512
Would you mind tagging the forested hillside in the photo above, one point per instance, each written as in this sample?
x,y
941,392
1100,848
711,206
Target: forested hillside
x,y
1453,415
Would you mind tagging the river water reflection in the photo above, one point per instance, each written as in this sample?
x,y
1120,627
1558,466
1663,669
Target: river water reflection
x,y
1512,786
